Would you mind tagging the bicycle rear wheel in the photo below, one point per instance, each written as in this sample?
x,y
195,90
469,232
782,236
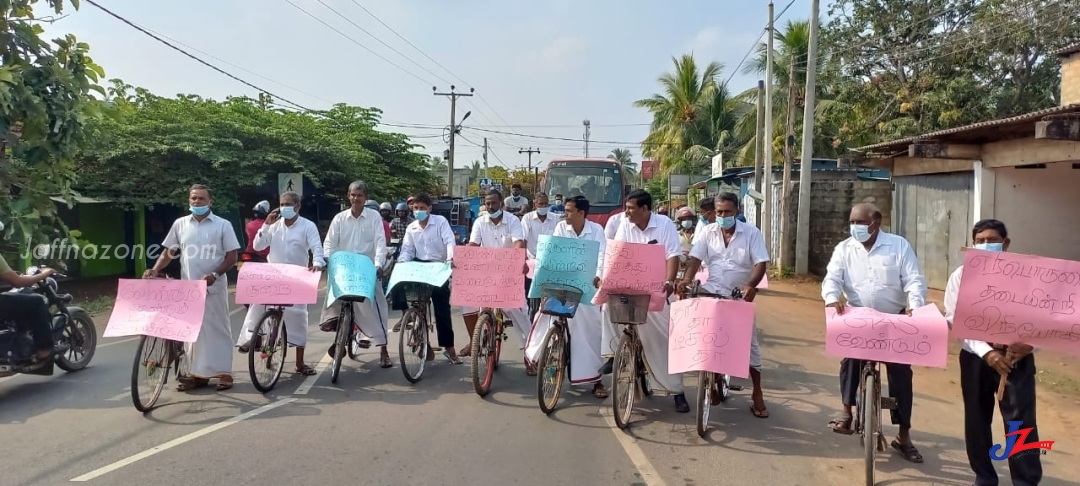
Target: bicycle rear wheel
x,y
869,425
342,339
551,369
706,382
499,326
268,350
413,344
152,361
484,355
623,376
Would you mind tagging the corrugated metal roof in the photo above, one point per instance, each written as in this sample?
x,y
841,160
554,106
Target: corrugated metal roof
x,y
1069,50
1027,117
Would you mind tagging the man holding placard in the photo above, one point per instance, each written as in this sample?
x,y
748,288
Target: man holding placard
x,y
359,229
498,229
206,245
289,237
534,224
879,270
982,367
429,238
736,256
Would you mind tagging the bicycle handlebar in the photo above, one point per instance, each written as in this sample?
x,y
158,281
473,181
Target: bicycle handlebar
x,y
696,291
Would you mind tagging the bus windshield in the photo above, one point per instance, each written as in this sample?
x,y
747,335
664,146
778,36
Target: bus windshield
x,y
601,185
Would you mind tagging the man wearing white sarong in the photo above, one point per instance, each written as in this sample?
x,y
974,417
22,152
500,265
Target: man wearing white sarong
x,y
640,225
360,230
584,329
498,229
289,237
206,245
534,224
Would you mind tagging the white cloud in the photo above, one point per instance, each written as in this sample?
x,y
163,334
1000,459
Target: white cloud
x,y
562,53
705,41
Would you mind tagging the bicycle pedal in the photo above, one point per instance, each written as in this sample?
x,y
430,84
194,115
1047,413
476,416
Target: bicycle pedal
x,y
735,387
888,403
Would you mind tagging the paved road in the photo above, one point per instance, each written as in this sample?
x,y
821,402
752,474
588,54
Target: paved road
x,y
373,426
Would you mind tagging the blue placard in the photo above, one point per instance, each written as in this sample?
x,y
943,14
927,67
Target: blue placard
x,y
349,275
566,261
432,273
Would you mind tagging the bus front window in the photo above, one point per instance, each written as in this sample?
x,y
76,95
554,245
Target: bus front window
x,y
602,186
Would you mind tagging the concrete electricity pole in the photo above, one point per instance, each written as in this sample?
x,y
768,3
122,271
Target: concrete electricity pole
x,y
766,143
453,131
530,151
757,147
588,132
802,239
485,159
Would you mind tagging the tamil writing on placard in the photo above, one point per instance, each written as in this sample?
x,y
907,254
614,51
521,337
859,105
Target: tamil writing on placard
x,y
566,262
350,275
710,335
633,268
863,333
488,277
276,283
1010,298
168,309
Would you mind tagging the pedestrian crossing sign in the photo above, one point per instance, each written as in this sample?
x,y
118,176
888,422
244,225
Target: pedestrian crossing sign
x,y
290,183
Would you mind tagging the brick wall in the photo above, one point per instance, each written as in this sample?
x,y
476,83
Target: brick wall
x,y
1070,79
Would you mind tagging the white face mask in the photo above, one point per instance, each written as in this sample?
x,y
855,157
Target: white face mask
x,y
861,232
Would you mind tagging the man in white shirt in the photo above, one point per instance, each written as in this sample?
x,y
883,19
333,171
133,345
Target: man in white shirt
x,y
360,229
879,270
640,225
534,224
982,365
290,237
736,257
516,203
429,239
707,216
498,229
584,328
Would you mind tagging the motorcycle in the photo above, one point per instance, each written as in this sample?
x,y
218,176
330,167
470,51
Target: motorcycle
x,y
73,330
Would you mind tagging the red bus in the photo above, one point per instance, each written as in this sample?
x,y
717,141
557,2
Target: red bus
x,y
599,180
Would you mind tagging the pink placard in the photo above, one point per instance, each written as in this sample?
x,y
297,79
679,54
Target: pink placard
x,y
168,309
920,339
710,335
703,275
633,268
1008,298
488,277
532,268
764,283
276,283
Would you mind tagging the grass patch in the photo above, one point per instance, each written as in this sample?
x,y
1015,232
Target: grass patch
x,y
1059,381
97,305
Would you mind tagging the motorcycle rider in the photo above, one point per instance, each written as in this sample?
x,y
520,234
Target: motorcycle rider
x,y
27,310
261,211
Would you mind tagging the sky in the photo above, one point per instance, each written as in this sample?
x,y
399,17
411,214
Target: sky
x,y
539,68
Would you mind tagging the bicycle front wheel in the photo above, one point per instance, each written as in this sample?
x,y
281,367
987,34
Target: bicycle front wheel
x,y
267,352
869,426
413,344
483,353
149,372
342,339
706,382
551,369
623,375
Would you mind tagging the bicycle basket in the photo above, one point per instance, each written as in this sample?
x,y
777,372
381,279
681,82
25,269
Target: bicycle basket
x,y
416,292
628,309
559,300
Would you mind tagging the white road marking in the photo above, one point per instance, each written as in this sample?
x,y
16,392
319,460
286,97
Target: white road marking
x,y
181,440
114,343
629,444
127,393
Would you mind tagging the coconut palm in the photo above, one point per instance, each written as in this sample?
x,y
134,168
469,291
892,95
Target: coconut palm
x,y
629,166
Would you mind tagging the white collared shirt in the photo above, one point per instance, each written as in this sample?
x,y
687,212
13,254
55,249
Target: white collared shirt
x,y
700,229
364,235
532,228
952,294
659,228
613,225
730,265
502,235
887,278
591,231
432,243
291,244
203,245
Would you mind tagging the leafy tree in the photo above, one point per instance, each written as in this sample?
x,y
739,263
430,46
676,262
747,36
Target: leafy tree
x,y
629,166
45,101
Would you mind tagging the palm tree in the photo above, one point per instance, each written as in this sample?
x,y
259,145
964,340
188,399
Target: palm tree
x,y
438,168
629,166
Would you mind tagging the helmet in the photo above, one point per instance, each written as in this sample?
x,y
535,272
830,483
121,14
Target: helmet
x,y
410,200
262,208
386,206
402,207
662,210
685,212
373,204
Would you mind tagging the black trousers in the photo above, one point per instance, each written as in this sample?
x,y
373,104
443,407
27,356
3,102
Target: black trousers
x,y
979,383
30,312
444,325
899,378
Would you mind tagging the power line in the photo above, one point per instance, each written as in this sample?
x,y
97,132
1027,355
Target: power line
x,y
754,45
391,29
192,56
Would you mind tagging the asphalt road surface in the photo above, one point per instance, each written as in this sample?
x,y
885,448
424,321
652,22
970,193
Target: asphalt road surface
x,y
375,428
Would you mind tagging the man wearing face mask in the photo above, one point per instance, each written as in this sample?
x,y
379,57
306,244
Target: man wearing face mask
x,y
982,365
534,224
879,270
687,220
707,212
558,209
515,203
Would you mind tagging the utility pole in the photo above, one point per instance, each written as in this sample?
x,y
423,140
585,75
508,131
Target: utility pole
x,y
485,159
802,239
784,258
767,141
453,131
588,132
530,151
758,145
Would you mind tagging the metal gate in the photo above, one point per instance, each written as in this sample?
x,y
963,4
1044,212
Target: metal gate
x,y
933,212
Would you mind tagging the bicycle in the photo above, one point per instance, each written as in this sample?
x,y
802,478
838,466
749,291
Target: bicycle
x,y
415,336
559,302
487,338
630,371
713,388
346,335
870,392
272,327
173,355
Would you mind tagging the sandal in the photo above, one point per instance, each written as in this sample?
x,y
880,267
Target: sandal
x,y
842,425
224,385
599,391
305,370
363,343
452,359
188,383
759,412
529,369
328,326
386,362
465,352
908,451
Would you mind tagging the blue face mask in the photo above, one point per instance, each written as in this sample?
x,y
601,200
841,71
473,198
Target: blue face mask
x,y
199,210
860,232
542,211
727,223
687,224
288,212
990,246
703,220
421,215
496,214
